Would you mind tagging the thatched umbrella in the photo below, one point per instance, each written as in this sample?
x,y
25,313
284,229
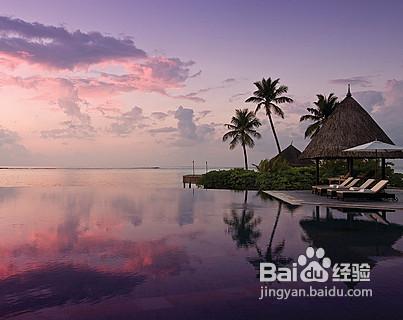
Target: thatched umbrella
x,y
376,147
348,126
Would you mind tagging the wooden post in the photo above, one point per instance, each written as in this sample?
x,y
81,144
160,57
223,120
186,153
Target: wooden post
x,y
350,163
383,168
317,170
352,167
193,164
206,167
328,214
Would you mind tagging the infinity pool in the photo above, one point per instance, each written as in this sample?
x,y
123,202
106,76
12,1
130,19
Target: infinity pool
x,y
137,251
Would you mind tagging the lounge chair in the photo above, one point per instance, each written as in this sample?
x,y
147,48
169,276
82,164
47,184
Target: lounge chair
x,y
323,190
344,183
377,192
331,192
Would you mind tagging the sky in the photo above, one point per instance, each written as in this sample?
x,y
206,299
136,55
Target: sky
x,y
152,83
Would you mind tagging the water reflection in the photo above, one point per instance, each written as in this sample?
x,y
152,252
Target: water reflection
x,y
127,206
73,247
244,232
7,194
58,284
186,207
346,234
352,238
272,253
242,225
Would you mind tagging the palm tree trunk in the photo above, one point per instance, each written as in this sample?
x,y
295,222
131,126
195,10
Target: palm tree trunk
x,y
274,133
245,156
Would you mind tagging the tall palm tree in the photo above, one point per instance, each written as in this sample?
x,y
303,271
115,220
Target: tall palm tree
x,y
319,114
242,131
270,94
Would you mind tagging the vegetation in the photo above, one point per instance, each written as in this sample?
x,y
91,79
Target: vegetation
x,y
235,179
396,180
363,168
274,164
270,94
263,166
240,179
242,131
283,177
322,110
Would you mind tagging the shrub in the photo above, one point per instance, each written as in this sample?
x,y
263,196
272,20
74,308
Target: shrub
x,y
239,179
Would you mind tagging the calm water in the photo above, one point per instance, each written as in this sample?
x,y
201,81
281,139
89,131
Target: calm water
x,y
133,244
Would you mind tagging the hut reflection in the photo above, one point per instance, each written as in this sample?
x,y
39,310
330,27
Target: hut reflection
x,y
354,239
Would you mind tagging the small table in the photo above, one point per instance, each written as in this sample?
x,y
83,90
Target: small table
x,y
335,180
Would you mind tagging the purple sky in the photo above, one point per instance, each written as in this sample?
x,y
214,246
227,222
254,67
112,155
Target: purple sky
x,y
152,82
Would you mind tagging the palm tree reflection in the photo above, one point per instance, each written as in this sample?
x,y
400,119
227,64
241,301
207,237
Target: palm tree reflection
x,y
243,226
273,254
243,229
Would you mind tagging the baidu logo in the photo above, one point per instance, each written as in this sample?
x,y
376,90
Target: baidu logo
x,y
314,266
314,270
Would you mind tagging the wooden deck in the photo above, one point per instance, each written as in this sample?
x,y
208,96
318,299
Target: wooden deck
x,y
191,179
299,197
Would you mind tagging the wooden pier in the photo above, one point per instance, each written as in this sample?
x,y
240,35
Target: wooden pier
x,y
191,179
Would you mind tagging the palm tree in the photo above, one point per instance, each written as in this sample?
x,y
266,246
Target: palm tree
x,y
322,110
269,94
242,131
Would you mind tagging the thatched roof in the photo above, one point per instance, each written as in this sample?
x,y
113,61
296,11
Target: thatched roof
x,y
291,155
348,126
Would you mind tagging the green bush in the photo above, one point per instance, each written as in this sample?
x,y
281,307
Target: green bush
x,y
287,179
239,179
282,177
396,180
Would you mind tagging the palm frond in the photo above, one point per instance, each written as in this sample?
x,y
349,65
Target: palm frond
x,y
312,129
309,117
283,100
243,124
277,110
254,99
234,142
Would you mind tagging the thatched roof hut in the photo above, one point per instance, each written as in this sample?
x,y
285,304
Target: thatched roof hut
x,y
292,156
348,126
